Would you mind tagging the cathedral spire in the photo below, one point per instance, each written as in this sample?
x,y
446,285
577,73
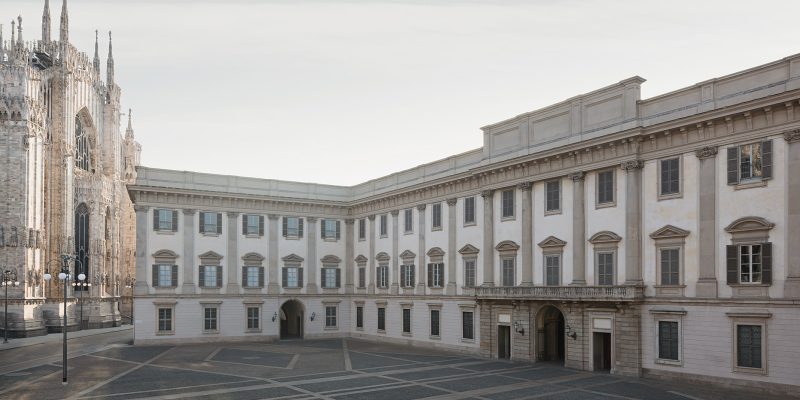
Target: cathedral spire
x,y
13,36
46,22
19,31
110,63
129,131
64,35
2,50
96,53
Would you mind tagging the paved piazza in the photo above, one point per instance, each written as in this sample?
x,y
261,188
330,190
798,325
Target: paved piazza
x,y
318,369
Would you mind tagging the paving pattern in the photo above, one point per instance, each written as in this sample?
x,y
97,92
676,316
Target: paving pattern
x,y
324,369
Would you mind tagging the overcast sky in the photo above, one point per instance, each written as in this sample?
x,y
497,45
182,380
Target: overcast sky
x,y
341,92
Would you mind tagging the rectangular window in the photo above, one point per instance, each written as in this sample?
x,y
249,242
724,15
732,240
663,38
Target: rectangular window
x,y
750,263
748,346
407,275
469,273
750,162
253,224
552,196
330,278
330,316
359,317
469,210
210,319
436,216
292,277
508,272
434,322
670,176
750,166
552,265
210,277
436,275
253,320
165,320
670,267
467,328
165,275
668,340
166,220
210,223
362,277
605,187
253,274
362,229
330,229
408,222
292,227
406,320
382,276
381,319
384,225
507,203
605,268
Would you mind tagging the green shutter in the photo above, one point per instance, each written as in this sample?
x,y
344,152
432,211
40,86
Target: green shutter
x,y
219,223
430,275
155,219
284,274
244,277
285,226
338,278
219,276
338,230
174,220
300,227
733,165
766,159
155,275
201,276
732,256
260,276
261,225
413,275
202,224
766,263
244,224
299,276
322,229
174,276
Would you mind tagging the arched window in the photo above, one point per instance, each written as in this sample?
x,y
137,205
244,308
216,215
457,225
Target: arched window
x,y
82,242
82,159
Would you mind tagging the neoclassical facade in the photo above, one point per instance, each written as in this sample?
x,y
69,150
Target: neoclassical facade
x,y
65,165
654,237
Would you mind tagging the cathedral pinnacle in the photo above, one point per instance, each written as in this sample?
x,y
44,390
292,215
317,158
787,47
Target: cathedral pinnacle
x,y
96,53
110,62
13,36
19,31
129,131
46,22
64,35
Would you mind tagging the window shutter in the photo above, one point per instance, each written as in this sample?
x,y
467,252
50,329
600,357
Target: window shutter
x,y
732,255
285,225
430,275
260,276
299,276
244,224
284,273
174,276
219,223
377,277
338,230
322,229
413,276
155,275
261,225
322,277
202,224
300,227
403,275
766,263
766,159
733,165
155,219
174,220
201,280
441,275
244,277
338,278
219,276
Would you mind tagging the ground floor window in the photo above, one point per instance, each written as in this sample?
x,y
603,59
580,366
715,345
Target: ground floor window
x,y
253,320
210,319
749,346
360,317
467,329
435,322
668,340
330,316
165,320
406,320
381,319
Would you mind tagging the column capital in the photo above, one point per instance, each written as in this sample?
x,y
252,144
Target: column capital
x,y
577,176
189,211
452,201
272,217
487,193
792,136
631,165
311,219
139,208
394,212
349,221
526,186
706,152
421,207
232,214
371,217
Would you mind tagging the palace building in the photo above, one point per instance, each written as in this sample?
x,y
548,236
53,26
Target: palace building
x,y
645,237
65,166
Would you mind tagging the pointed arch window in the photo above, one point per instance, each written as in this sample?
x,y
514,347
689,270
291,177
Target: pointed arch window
x,y
82,155
82,242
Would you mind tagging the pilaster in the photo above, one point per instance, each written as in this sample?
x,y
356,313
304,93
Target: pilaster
x,y
578,229
311,259
527,233
141,248
707,218
349,250
273,287
633,221
488,237
791,287
188,252
232,253
422,268
394,273
371,267
451,247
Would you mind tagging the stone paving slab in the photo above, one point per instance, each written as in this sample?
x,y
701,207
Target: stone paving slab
x,y
428,374
131,353
262,358
345,384
524,392
404,393
467,384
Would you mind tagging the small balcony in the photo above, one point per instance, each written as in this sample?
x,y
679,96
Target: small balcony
x,y
570,293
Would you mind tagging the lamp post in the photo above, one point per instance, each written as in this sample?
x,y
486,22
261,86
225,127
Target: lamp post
x,y
9,279
64,276
130,282
80,285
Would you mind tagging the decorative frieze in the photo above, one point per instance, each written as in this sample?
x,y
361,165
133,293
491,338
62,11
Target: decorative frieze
x,y
631,165
792,136
706,152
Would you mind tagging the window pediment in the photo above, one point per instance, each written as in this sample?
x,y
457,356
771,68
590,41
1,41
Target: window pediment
x,y
468,249
252,259
210,258
330,259
165,256
749,224
507,246
382,256
552,241
408,254
669,232
603,237
361,259
293,258
435,252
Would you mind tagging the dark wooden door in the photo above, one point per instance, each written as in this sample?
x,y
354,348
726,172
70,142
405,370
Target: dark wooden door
x,y
504,342
602,351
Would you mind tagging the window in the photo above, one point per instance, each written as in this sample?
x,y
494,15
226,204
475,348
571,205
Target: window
x,y
330,316
605,268
750,162
467,328
165,220
381,319
82,152
750,263
508,272
331,278
469,210
748,346
408,223
469,273
384,225
552,265
360,317
670,266
253,277
210,223
253,318
670,177
292,227
436,216
164,320
382,276
749,257
210,276
292,277
407,275
605,187
362,277
330,229
668,340
507,203
407,320
435,323
165,275
362,229
252,225
436,275
210,319
552,196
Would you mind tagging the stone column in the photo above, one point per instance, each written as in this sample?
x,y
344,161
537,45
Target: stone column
x,y
371,267
142,228
451,247
394,273
578,229
273,287
311,259
707,217
488,237
791,288
349,250
188,251
233,253
527,233
633,221
422,268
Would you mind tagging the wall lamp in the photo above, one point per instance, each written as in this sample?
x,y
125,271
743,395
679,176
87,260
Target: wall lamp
x,y
570,332
274,316
519,328
313,315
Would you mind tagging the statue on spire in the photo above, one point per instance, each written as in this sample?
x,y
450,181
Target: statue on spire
x,y
96,53
110,63
46,22
64,34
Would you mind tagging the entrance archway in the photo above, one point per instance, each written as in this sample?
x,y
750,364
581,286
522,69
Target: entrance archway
x,y
292,313
550,335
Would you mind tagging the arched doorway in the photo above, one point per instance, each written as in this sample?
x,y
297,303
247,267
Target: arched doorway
x,y
550,335
292,313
